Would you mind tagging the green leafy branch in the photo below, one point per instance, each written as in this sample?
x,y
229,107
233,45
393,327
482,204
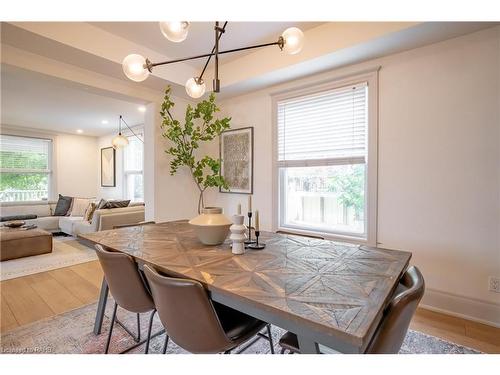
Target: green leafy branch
x,y
199,126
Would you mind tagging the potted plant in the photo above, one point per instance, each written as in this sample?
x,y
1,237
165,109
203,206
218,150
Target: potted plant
x,y
199,125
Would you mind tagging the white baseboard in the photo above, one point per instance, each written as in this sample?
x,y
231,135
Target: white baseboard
x,y
462,307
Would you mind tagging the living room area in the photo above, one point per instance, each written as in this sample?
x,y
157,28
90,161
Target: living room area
x,y
72,163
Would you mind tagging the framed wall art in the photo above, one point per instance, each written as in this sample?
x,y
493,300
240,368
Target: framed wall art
x,y
108,167
236,153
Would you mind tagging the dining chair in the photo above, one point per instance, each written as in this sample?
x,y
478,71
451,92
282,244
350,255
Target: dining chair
x,y
133,225
392,329
129,290
198,324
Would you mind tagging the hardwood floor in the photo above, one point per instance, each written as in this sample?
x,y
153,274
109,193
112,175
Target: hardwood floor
x,y
458,330
28,299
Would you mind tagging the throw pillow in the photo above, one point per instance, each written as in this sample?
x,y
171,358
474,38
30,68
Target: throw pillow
x,y
89,212
116,204
101,203
63,205
79,206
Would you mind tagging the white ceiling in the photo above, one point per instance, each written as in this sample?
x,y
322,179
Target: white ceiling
x,y
201,37
37,101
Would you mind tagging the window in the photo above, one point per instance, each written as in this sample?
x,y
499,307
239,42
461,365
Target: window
x,y
323,167
25,165
133,159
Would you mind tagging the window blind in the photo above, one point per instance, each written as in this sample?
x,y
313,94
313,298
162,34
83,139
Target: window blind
x,y
134,155
24,154
326,125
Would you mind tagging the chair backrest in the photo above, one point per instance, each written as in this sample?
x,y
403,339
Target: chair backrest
x,y
141,223
125,283
392,330
187,313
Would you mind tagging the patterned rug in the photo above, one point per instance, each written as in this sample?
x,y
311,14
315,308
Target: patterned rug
x,y
67,251
71,333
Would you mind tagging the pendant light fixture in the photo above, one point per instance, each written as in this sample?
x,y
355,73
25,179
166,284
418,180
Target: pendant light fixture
x,y
120,141
137,68
175,31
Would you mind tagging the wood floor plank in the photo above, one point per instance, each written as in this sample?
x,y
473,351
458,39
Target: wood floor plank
x,y
83,290
7,320
483,332
24,302
90,271
440,321
460,339
55,294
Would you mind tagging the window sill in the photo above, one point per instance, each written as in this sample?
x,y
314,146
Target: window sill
x,y
27,203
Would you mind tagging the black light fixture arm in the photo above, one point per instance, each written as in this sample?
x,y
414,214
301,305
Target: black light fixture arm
x,y
216,81
129,128
222,31
280,43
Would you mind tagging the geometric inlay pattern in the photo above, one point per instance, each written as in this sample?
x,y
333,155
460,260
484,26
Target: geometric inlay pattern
x,y
337,287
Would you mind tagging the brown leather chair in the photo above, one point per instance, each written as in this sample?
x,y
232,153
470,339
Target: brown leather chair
x,y
392,329
140,223
196,323
128,289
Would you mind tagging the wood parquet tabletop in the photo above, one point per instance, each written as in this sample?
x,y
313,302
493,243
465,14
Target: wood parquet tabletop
x,y
337,288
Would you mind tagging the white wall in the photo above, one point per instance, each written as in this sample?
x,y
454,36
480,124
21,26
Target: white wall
x,y
439,158
75,165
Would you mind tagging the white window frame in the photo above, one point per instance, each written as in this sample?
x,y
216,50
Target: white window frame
x,y
49,172
371,166
139,130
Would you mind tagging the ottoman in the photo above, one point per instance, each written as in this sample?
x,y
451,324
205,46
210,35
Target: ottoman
x,y
18,243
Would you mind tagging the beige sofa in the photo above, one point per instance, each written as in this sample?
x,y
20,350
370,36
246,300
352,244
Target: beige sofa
x,y
73,225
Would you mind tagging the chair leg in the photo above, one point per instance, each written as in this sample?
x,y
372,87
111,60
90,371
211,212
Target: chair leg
x,y
165,345
282,351
149,331
138,339
270,338
111,328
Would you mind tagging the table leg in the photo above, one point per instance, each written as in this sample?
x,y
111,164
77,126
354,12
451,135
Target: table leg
x,y
101,307
307,346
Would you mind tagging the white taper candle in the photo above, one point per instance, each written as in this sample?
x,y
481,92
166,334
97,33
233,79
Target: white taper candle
x,y
257,220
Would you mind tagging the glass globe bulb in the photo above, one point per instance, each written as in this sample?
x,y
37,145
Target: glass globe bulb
x,y
175,31
294,40
119,141
195,89
134,67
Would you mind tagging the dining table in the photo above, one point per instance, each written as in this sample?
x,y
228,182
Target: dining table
x,y
330,294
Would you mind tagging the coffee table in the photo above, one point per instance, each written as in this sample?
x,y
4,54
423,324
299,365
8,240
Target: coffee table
x,y
18,243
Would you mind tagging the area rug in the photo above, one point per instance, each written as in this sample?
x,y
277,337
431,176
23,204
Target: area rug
x,y
71,332
67,251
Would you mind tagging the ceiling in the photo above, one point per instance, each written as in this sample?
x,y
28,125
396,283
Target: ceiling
x,y
201,37
48,70
37,101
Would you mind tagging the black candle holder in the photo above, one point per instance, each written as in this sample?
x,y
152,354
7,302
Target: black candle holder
x,y
249,240
256,245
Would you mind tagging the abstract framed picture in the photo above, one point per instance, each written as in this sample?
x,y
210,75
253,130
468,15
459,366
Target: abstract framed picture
x,y
236,154
108,167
